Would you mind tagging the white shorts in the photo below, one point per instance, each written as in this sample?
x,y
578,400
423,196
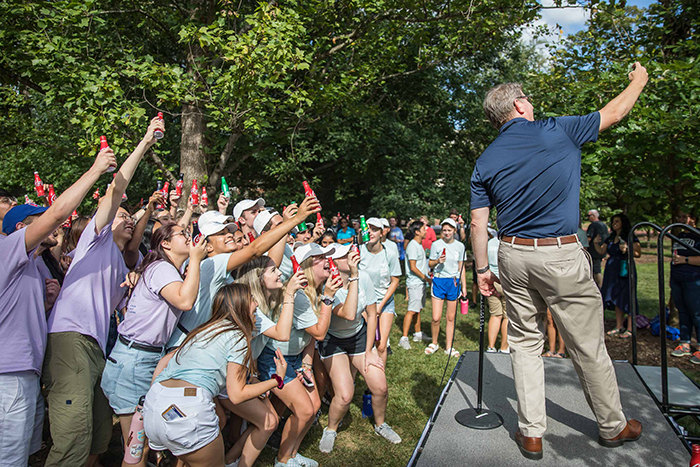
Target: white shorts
x,y
416,297
21,417
198,427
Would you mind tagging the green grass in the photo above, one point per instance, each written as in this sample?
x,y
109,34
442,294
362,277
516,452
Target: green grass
x,y
414,386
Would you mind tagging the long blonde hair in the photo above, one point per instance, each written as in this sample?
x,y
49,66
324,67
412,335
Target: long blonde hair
x,y
310,290
230,312
251,274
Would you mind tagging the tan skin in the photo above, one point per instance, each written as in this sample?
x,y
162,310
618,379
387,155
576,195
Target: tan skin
x,y
303,401
259,412
602,248
213,453
374,246
448,236
181,295
341,368
420,235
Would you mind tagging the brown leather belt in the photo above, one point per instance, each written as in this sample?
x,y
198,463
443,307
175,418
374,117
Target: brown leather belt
x,y
541,241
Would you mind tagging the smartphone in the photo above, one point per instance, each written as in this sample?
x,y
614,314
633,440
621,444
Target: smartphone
x,y
172,413
308,382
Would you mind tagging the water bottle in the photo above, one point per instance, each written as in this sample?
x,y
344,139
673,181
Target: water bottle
x,y
463,305
367,404
137,436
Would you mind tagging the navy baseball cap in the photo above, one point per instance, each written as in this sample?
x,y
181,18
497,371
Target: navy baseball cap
x,y
18,214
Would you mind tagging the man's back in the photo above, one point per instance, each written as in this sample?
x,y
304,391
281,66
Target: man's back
x,y
531,173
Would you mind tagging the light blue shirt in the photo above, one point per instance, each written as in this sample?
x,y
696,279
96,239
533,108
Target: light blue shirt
x,y
304,317
380,268
286,264
343,328
415,251
454,254
260,340
203,361
212,276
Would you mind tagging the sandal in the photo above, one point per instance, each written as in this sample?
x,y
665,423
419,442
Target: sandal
x,y
560,355
549,353
431,349
613,332
625,335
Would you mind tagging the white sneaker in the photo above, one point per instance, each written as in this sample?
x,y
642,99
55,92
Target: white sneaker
x,y
491,350
304,461
386,432
403,343
419,336
504,351
327,440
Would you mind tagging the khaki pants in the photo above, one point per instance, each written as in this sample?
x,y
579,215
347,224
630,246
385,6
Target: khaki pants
x,y
497,305
79,413
558,277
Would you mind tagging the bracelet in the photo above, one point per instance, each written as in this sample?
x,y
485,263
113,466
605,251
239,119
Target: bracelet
x,y
306,366
482,270
687,259
292,302
280,381
353,279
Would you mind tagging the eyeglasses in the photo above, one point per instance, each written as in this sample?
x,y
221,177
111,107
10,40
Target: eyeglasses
x,y
183,233
123,216
526,97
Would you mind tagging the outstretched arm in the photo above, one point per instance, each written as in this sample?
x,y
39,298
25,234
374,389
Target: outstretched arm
x,y
620,106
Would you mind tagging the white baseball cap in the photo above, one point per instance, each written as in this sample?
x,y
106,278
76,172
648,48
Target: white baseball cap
x,y
261,220
305,252
375,222
449,221
340,250
245,205
385,222
212,222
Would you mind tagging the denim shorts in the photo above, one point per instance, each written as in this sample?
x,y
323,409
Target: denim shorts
x,y
388,307
267,367
127,376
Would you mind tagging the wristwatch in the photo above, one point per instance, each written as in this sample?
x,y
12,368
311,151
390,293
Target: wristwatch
x,y
326,300
280,381
686,260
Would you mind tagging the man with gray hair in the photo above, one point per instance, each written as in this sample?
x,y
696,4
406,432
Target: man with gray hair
x,y
531,174
597,227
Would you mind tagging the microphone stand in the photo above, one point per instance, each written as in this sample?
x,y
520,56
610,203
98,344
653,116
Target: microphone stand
x,y
479,418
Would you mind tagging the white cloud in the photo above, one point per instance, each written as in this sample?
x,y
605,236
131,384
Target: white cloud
x,y
570,19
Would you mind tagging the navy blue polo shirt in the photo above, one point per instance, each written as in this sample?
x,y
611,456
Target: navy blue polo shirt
x,y
531,174
686,272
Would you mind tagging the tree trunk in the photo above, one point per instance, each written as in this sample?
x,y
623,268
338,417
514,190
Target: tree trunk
x,y
193,162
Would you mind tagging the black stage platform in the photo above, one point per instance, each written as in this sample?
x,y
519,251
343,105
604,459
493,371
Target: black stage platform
x,y
571,438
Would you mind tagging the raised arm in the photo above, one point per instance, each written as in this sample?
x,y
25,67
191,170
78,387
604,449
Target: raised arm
x,y
182,295
131,250
65,204
265,242
113,198
282,330
621,105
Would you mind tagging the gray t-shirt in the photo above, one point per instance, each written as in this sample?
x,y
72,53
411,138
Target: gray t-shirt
x,y
415,251
380,268
343,328
304,317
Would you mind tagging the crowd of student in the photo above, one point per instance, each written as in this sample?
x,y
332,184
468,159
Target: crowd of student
x,y
198,314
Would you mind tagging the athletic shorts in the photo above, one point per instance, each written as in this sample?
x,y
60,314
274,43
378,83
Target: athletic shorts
x,y
597,265
446,288
179,435
267,367
416,297
350,346
497,305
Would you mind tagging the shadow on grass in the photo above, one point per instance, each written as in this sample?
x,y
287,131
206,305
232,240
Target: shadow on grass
x,y
425,390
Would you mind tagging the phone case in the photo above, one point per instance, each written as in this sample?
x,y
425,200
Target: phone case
x,y
172,413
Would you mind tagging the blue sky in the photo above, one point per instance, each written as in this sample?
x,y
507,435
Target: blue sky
x,y
573,19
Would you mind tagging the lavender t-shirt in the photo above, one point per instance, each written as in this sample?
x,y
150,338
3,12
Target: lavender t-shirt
x,y
22,318
149,318
91,288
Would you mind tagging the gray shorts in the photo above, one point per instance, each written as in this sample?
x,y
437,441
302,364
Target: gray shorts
x,y
416,297
597,265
